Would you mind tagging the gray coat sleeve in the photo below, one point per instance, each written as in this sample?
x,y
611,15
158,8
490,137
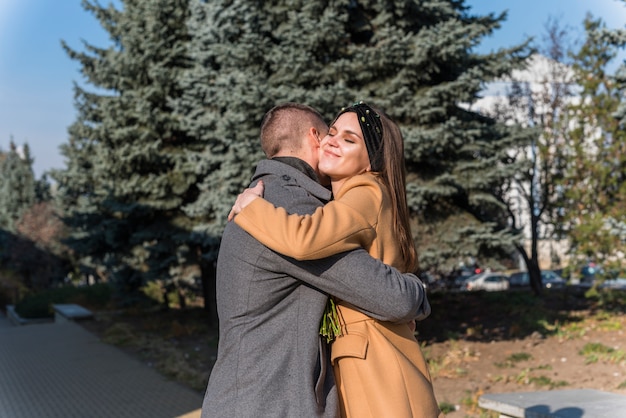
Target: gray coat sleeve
x,y
377,289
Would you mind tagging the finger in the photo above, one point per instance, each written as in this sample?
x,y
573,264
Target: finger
x,y
259,188
233,211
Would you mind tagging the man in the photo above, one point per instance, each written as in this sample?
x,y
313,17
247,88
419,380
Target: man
x,y
271,361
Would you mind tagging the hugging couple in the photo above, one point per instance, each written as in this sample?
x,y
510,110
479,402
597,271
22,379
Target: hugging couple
x,y
323,232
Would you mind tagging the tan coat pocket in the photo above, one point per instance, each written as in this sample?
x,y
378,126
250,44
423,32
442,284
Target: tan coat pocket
x,y
349,345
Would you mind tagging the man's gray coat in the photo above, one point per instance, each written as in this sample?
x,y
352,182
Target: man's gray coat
x,y
270,361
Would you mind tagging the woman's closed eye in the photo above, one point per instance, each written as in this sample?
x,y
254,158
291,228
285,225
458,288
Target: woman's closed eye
x,y
345,138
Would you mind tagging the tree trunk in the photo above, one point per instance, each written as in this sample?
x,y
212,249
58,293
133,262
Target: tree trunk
x,y
534,277
532,267
166,300
182,301
534,273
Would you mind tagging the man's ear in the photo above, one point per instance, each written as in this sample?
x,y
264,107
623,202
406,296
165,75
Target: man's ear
x,y
315,134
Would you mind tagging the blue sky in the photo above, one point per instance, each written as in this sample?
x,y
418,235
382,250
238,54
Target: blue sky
x,y
36,76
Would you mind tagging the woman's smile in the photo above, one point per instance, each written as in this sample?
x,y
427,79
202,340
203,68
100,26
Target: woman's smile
x,y
329,153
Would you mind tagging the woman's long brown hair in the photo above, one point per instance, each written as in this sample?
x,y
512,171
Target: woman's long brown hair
x,y
393,176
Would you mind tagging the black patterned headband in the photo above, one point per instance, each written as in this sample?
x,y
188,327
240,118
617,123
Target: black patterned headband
x,y
372,128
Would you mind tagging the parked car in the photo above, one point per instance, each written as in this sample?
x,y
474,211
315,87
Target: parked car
x,y
486,281
460,280
460,276
519,279
589,272
549,279
431,282
618,283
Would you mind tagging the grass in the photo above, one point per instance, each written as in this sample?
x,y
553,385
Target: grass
x,y
447,407
181,345
493,313
527,377
470,404
513,359
449,364
544,381
595,352
470,401
568,331
578,328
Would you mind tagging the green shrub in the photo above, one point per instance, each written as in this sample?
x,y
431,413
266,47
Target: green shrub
x,y
35,306
11,287
39,305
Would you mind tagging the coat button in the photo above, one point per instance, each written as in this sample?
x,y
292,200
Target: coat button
x,y
286,177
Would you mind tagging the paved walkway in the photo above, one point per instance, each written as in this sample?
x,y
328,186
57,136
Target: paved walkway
x,y
61,370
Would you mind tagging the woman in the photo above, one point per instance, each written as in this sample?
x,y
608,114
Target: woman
x,y
379,368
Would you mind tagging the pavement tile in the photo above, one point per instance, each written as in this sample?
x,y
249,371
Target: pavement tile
x,y
62,370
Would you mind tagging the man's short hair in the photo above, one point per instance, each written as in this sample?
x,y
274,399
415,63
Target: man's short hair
x,y
285,125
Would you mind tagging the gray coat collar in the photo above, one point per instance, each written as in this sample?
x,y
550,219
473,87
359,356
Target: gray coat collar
x,y
291,174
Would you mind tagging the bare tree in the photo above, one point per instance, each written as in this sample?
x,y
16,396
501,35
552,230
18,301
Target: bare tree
x,y
536,100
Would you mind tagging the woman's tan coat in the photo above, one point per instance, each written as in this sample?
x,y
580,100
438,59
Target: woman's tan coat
x,y
379,366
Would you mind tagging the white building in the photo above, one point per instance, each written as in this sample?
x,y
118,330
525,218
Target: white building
x,y
543,89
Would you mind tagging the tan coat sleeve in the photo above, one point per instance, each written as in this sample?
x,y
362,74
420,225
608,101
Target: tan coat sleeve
x,y
346,223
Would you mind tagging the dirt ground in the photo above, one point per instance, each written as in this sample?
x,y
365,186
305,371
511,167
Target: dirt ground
x,y
520,343
475,344
465,370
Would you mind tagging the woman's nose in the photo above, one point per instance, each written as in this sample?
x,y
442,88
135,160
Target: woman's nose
x,y
329,140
